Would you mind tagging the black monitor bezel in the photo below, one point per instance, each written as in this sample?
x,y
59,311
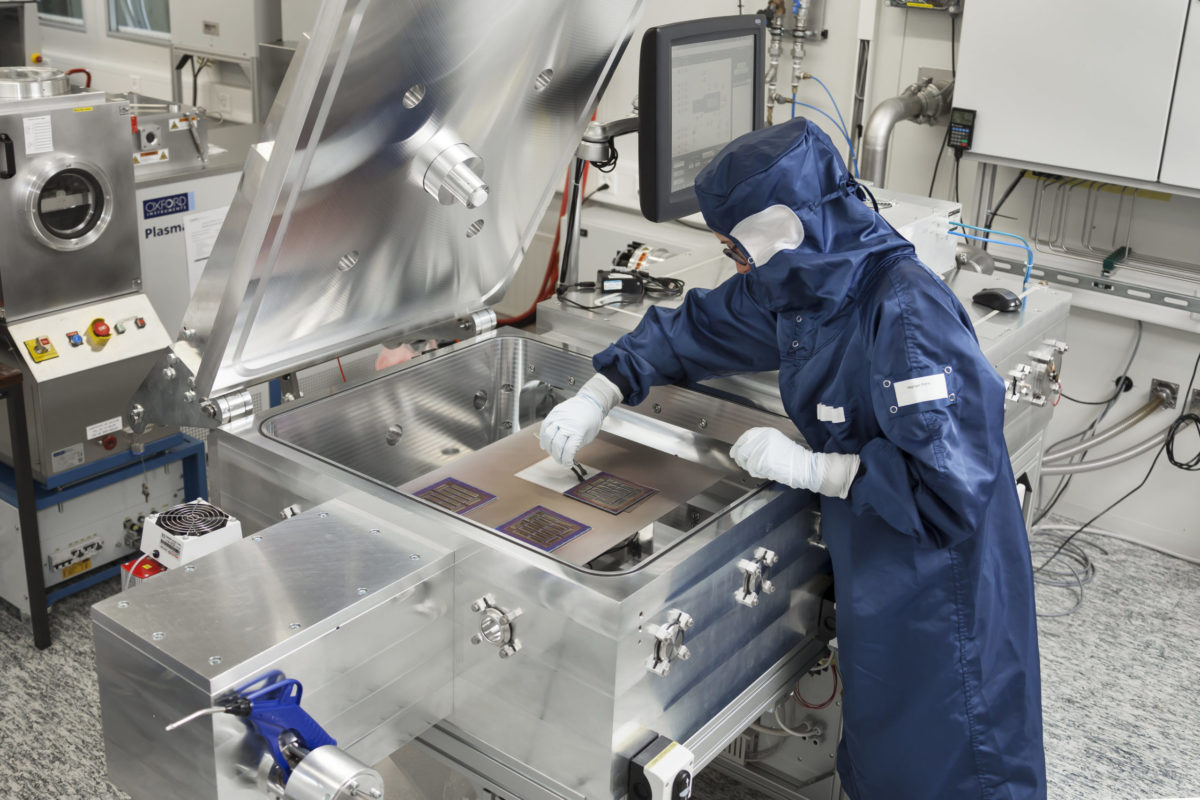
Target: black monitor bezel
x,y
658,203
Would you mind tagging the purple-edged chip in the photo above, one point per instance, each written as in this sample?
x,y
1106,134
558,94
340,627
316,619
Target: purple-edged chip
x,y
454,495
609,493
543,528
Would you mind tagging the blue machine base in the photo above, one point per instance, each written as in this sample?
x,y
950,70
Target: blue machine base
x,y
106,472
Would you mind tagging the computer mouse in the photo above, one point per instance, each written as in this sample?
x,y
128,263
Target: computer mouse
x,y
998,299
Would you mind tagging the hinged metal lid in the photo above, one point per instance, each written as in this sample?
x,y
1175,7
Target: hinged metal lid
x,y
404,168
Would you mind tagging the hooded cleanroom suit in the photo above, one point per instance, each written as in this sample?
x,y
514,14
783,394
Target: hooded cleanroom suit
x,y
876,357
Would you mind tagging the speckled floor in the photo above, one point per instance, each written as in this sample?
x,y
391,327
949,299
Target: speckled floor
x,y
1121,693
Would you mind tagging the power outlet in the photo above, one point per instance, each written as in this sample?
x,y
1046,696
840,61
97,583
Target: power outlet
x,y
135,83
225,102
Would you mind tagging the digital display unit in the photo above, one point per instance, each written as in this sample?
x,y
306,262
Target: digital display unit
x,y
701,86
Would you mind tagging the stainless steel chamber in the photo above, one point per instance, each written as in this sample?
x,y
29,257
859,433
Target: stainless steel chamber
x,y
70,279
401,175
587,678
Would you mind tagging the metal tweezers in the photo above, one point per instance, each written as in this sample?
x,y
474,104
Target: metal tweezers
x,y
579,471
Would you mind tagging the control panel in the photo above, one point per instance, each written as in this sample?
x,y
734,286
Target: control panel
x,y
71,341
962,129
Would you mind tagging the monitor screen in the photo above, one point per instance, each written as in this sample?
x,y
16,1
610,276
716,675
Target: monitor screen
x,y
712,102
701,86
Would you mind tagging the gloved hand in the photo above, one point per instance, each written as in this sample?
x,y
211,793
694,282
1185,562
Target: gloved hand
x,y
767,453
576,421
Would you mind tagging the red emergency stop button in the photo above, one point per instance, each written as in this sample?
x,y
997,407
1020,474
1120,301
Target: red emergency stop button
x,y
109,442
98,333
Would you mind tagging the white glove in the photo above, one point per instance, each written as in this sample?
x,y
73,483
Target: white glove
x,y
767,453
575,421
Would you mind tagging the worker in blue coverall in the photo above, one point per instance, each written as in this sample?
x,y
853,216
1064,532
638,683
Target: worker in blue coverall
x,y
880,370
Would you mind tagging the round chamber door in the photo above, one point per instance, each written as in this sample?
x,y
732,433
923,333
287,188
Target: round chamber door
x,y
70,205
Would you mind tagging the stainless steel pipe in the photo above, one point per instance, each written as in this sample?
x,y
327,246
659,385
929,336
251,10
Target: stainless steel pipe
x,y
1149,408
1153,443
878,134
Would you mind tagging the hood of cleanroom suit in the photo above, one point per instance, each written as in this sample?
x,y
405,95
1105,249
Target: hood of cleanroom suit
x,y
936,629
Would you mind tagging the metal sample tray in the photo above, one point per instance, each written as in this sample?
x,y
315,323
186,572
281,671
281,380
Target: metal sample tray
x,y
493,469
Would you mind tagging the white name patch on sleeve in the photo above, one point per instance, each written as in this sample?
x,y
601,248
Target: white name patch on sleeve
x,y
921,390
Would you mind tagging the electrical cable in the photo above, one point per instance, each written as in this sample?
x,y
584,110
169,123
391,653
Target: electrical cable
x,y
1076,568
953,54
834,103
1169,443
1121,381
845,135
648,285
829,701
128,576
937,164
550,278
1121,538
1104,402
991,218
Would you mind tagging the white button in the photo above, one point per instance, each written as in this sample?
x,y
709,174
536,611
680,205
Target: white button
x,y
795,345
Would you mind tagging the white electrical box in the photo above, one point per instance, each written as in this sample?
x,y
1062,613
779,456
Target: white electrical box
x,y
230,28
1082,85
86,532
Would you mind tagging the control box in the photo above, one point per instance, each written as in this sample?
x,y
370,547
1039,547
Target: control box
x,y
82,367
231,28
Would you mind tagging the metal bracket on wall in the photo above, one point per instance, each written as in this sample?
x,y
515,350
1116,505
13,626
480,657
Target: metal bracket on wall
x,y
1108,286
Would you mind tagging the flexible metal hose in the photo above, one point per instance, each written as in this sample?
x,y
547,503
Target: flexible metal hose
x,y
1153,405
1153,443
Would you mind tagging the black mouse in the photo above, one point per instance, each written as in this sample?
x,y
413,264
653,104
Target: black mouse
x,y
998,299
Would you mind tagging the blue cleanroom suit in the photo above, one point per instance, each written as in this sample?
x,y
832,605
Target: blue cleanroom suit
x,y
876,357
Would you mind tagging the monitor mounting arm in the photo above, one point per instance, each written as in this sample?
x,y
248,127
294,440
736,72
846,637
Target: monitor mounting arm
x,y
596,148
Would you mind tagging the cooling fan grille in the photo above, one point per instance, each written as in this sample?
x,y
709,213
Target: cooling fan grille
x,y
192,519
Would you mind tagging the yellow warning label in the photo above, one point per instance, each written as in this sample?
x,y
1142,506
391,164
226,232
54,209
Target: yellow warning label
x,y
151,157
75,569
84,108
920,5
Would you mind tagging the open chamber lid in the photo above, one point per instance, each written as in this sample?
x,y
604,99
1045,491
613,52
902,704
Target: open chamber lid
x,y
404,168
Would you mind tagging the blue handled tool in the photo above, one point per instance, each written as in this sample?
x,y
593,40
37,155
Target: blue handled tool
x,y
270,704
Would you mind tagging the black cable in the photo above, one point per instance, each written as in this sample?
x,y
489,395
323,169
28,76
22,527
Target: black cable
x,y
648,285
957,159
1181,421
938,163
1121,381
953,55
602,187
991,218
1093,402
1193,463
